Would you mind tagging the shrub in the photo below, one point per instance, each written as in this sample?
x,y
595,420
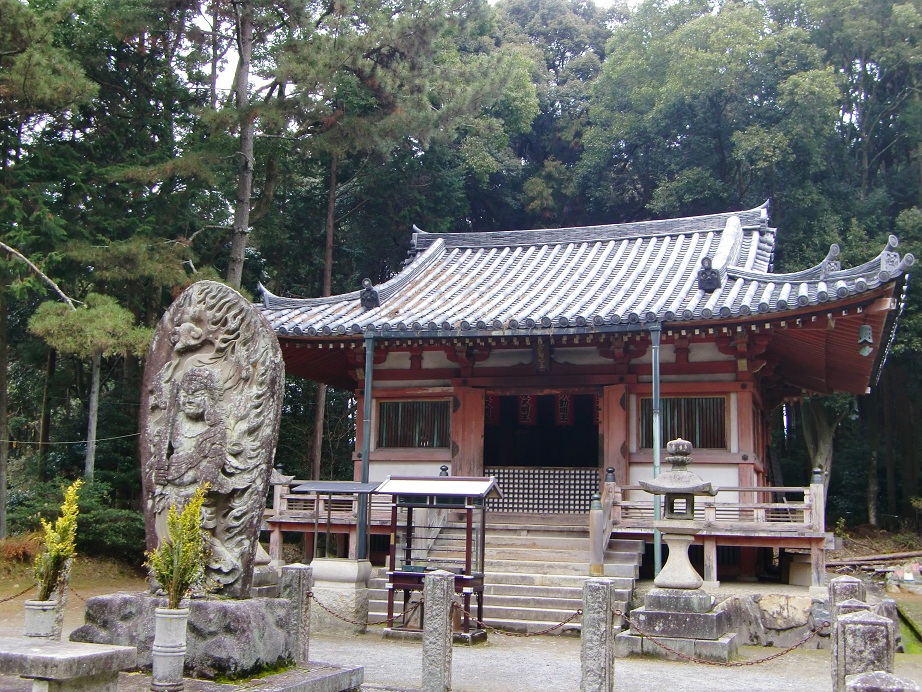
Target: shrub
x,y
21,548
105,530
60,544
178,563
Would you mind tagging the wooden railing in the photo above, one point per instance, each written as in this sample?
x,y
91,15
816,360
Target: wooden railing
x,y
757,511
290,504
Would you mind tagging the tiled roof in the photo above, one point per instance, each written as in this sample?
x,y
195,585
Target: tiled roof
x,y
588,277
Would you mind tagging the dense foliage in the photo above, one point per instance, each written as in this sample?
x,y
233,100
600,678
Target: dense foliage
x,y
144,146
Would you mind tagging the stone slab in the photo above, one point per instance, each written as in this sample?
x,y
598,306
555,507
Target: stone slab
x,y
627,644
225,636
658,623
463,638
678,647
317,677
53,660
721,650
678,600
269,591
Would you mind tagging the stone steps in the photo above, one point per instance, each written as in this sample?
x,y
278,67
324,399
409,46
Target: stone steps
x,y
534,573
575,568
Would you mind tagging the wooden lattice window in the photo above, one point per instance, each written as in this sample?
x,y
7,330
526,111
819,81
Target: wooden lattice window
x,y
414,424
700,420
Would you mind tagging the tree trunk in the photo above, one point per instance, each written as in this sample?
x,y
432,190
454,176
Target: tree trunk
x,y
331,221
44,431
320,403
215,59
889,458
321,400
4,401
872,411
909,443
90,464
245,171
819,431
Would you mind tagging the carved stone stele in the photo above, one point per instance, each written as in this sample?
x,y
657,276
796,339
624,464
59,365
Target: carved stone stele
x,y
212,397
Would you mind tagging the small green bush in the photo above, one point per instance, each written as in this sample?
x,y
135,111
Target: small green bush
x,y
178,563
60,544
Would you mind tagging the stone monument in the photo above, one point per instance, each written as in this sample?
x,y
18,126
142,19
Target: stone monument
x,y
677,612
213,386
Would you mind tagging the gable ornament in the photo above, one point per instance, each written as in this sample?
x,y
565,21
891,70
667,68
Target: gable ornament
x,y
708,277
369,296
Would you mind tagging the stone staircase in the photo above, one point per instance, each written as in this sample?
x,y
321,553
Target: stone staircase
x,y
534,572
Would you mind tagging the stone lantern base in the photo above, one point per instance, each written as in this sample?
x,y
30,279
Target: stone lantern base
x,y
678,622
678,618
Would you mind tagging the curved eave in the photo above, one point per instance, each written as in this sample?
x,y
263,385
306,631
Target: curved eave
x,y
812,348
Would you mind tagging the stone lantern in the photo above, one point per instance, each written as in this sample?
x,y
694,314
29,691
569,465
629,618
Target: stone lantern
x,y
679,486
677,610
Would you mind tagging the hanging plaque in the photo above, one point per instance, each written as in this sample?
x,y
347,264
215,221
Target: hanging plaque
x,y
528,409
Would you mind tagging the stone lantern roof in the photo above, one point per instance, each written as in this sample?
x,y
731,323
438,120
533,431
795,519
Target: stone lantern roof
x,y
679,480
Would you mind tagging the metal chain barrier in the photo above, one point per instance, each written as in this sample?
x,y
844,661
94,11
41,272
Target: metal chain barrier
x,y
406,614
735,664
517,634
75,593
21,593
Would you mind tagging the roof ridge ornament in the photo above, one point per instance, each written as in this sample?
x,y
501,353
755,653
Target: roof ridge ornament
x,y
369,296
708,277
889,259
831,263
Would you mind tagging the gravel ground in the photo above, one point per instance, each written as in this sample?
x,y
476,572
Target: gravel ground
x,y
538,664
507,664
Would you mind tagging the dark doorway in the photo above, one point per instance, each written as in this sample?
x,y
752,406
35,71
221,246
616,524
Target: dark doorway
x,y
561,431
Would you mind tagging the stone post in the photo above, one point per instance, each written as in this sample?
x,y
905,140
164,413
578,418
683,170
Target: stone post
x,y
597,646
844,588
862,643
297,582
878,681
848,606
342,586
887,608
438,588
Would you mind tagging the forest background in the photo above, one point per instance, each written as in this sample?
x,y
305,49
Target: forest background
x,y
147,144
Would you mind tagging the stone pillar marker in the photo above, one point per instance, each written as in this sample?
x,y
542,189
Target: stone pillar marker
x,y
297,582
862,643
597,640
438,589
844,588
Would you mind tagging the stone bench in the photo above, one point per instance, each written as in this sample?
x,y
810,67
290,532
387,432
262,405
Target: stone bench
x,y
65,666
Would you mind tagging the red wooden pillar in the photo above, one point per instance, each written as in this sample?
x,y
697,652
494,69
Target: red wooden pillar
x,y
467,426
614,431
745,443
